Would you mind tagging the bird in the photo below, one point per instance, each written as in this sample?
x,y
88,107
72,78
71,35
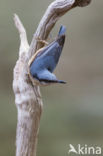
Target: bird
x,y
45,60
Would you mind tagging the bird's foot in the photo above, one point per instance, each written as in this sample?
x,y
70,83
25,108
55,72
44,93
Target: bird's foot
x,y
42,41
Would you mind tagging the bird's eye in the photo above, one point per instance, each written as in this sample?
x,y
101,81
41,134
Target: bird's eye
x,y
49,69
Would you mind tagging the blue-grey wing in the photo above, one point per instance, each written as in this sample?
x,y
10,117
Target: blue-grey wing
x,y
48,59
51,57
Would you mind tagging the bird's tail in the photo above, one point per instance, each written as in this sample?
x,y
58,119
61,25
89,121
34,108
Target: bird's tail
x,y
62,31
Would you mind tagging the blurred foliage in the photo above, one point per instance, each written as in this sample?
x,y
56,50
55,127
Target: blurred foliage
x,y
73,113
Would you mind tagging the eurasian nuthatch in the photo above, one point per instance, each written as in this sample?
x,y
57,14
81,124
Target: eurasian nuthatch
x,y
45,60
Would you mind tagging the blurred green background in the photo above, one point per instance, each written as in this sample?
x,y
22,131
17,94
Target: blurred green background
x,y
72,113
